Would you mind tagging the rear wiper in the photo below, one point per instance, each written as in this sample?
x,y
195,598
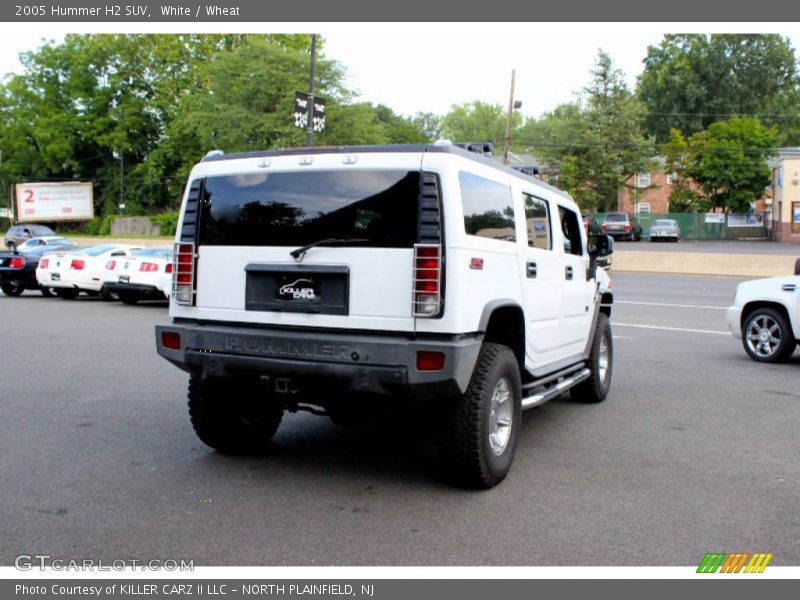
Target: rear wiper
x,y
301,252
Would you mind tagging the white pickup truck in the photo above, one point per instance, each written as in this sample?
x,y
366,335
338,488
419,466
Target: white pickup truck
x,y
765,315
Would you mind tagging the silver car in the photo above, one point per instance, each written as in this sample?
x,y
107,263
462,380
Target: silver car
x,y
665,229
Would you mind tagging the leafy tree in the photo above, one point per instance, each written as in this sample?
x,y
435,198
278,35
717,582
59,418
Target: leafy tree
x,y
429,124
692,81
595,144
728,161
478,122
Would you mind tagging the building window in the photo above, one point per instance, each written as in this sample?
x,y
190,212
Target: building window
x,y
642,180
671,177
643,208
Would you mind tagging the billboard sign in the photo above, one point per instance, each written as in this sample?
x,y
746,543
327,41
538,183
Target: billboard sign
x,y
61,201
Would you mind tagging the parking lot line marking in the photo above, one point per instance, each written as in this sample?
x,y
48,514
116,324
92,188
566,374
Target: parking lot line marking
x,y
661,327
672,305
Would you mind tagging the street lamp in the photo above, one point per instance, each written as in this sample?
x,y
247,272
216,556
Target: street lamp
x,y
119,157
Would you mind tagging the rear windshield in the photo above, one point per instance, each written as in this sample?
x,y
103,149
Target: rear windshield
x,y
616,217
97,250
157,252
294,209
663,223
40,230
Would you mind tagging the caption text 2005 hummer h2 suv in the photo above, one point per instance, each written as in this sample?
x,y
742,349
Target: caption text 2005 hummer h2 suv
x,y
430,275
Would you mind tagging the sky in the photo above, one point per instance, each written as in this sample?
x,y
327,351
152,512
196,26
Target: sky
x,y
424,67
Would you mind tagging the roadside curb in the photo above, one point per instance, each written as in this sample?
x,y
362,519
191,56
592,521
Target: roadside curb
x,y
703,263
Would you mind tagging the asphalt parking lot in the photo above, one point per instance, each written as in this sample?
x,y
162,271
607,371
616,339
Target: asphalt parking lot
x,y
695,450
712,247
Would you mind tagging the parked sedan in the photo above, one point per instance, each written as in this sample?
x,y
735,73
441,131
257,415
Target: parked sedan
x,y
665,229
72,272
145,276
18,269
53,241
18,234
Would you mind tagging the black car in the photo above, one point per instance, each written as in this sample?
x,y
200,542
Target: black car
x,y
18,270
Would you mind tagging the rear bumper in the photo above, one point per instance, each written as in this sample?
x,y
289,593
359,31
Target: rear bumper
x,y
139,290
314,361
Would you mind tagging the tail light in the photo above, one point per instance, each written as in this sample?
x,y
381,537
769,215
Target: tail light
x,y
604,226
627,226
427,297
183,274
148,267
77,264
171,340
430,361
111,265
168,268
16,262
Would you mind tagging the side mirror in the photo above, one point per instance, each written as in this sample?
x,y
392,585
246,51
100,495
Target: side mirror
x,y
603,245
797,267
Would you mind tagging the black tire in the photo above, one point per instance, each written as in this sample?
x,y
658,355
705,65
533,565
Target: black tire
x,y
66,293
233,417
11,288
108,295
475,446
128,298
600,363
767,337
47,292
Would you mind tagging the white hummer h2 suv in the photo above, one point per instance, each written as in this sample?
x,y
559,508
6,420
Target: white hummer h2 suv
x,y
324,278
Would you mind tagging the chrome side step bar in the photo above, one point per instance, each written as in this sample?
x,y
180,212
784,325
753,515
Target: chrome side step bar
x,y
573,377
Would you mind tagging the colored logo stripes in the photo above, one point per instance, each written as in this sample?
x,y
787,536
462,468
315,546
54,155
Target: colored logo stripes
x,y
734,563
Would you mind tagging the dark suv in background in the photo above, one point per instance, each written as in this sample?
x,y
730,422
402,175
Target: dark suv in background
x,y
22,233
622,225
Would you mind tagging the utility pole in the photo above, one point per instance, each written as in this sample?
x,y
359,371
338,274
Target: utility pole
x,y
507,138
118,156
310,109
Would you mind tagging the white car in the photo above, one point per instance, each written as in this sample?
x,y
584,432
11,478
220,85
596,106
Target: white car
x,y
145,276
766,316
71,272
47,240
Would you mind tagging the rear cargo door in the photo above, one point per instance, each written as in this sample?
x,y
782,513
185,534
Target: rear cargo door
x,y
350,220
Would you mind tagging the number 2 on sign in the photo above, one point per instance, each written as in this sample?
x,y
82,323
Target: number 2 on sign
x,y
28,195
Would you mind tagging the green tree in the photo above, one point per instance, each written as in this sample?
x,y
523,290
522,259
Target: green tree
x,y
728,161
692,81
595,144
429,124
478,122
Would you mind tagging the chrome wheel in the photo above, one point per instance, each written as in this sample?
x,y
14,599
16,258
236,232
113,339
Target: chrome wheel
x,y
603,359
763,336
501,414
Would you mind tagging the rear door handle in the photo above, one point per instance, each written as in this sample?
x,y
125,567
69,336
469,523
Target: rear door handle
x,y
568,273
532,270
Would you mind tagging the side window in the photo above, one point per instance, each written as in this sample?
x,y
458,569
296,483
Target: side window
x,y
571,226
488,208
537,222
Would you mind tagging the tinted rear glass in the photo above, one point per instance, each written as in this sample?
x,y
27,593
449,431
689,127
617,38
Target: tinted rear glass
x,y
41,230
97,250
295,209
663,223
157,252
616,218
